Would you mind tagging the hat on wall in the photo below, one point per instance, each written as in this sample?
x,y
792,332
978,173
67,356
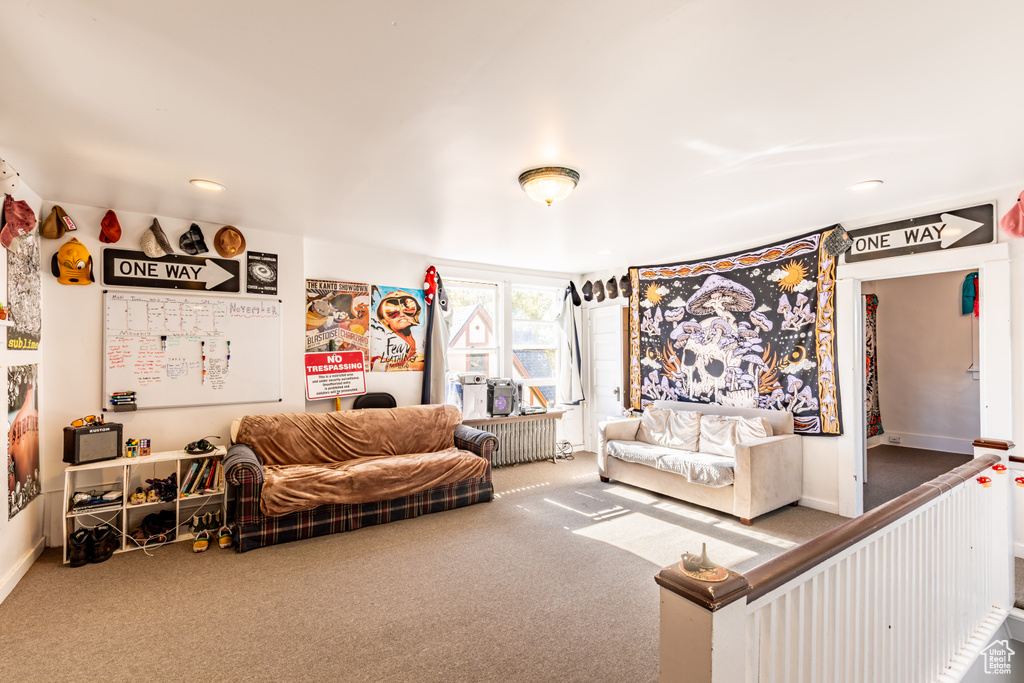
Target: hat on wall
x,y
154,241
56,224
18,220
588,291
110,229
9,178
72,264
1013,222
613,288
599,290
229,242
192,241
625,286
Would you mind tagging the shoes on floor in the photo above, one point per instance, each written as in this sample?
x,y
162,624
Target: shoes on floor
x,y
224,538
105,540
80,547
201,542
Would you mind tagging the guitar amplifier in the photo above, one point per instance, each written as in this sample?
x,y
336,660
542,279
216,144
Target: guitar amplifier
x,y
501,397
92,443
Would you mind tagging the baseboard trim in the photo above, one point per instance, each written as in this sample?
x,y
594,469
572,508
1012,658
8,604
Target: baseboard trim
x,y
19,570
931,443
1018,549
816,504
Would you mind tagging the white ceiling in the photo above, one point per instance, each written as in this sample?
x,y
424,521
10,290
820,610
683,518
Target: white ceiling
x,y
696,126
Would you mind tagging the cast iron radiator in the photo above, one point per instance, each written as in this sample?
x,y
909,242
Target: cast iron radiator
x,y
522,441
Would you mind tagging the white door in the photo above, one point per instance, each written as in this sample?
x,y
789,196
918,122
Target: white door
x,y
605,366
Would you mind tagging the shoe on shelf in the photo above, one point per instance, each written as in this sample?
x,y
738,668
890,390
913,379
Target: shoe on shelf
x,y
138,497
151,497
105,541
217,523
201,542
208,522
224,537
80,547
194,524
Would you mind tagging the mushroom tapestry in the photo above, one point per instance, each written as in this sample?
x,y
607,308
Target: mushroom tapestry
x,y
751,329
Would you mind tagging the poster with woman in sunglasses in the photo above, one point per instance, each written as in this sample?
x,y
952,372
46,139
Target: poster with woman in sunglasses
x,y
396,329
23,438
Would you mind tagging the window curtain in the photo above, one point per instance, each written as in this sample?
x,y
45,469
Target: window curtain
x,y
872,412
435,370
570,368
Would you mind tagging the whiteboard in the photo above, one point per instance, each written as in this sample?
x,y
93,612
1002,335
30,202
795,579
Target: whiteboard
x,y
154,345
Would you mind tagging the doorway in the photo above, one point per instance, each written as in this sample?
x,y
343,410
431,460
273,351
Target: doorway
x,y
922,384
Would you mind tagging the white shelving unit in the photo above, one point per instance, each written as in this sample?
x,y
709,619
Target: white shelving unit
x,y
131,472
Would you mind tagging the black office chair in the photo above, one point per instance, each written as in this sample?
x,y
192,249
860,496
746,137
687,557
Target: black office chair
x,y
374,400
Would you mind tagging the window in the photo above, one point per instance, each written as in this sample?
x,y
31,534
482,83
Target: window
x,y
474,345
534,342
506,330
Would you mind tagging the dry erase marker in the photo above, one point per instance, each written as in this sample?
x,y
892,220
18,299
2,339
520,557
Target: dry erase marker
x,y
163,342
227,366
203,345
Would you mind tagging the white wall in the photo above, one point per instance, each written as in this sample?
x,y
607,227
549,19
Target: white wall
x,y
21,538
927,397
72,337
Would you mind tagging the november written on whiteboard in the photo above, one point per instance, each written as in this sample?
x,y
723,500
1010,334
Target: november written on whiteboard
x,y
173,341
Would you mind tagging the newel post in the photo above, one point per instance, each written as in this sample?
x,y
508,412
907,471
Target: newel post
x,y
703,628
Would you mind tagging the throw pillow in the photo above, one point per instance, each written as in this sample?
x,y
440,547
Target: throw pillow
x,y
719,434
679,429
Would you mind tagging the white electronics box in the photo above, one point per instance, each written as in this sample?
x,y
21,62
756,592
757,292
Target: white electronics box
x,y
474,401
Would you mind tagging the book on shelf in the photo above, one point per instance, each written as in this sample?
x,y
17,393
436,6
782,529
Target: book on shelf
x,y
183,489
212,475
220,476
196,486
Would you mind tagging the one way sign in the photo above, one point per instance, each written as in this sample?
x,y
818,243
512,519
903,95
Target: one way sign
x,y
122,268
959,228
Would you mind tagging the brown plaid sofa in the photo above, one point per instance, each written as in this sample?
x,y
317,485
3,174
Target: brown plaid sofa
x,y
244,470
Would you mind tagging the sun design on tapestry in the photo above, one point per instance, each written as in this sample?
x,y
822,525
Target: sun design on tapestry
x,y
652,294
793,273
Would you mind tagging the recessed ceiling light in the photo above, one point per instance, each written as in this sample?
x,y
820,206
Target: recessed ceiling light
x,y
865,185
207,185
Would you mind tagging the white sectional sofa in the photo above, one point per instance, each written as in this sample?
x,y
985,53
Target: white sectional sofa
x,y
743,474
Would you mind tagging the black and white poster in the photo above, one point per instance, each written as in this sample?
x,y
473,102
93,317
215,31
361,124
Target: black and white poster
x,y
23,288
261,273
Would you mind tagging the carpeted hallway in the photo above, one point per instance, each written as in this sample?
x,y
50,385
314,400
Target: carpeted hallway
x,y
552,581
894,470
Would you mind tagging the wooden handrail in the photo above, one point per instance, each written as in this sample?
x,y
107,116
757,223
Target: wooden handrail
x,y
765,578
992,444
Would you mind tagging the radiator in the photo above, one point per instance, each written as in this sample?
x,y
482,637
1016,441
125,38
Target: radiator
x,y
525,441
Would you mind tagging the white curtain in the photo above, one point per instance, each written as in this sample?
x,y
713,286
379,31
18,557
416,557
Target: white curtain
x,y
570,380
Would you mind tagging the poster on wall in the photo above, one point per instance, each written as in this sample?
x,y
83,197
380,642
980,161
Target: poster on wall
x,y
333,375
752,329
397,329
337,316
23,438
261,273
23,288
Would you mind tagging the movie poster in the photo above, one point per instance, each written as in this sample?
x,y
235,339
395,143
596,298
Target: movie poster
x,y
753,329
337,316
23,291
397,329
23,483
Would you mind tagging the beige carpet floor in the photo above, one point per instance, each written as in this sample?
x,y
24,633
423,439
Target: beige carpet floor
x,y
552,581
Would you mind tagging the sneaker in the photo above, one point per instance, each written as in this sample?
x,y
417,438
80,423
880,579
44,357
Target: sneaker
x,y
80,547
104,542
224,537
151,497
201,542
138,497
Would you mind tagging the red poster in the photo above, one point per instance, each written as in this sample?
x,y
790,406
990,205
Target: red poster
x,y
334,374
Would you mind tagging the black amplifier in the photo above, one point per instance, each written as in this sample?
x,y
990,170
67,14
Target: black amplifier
x,y
92,443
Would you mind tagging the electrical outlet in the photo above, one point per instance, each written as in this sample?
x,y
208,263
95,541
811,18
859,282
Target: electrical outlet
x,y
894,439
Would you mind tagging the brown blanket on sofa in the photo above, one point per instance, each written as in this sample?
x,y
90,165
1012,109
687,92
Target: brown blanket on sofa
x,y
356,456
291,488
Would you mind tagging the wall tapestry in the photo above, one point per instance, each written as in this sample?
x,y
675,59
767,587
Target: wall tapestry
x,y
23,438
396,329
872,413
337,316
23,288
751,329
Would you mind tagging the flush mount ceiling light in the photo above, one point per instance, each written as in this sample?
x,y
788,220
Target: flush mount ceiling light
x,y
549,184
865,185
207,185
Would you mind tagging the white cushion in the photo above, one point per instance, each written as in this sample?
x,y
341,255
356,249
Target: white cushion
x,y
679,429
719,434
